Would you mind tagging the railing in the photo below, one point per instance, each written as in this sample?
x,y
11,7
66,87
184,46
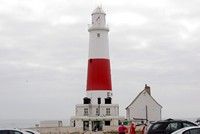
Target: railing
x,y
97,27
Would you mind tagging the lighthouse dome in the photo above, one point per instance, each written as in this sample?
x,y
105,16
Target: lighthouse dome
x,y
98,10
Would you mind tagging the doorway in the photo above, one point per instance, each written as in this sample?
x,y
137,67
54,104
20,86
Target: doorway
x,y
97,125
85,125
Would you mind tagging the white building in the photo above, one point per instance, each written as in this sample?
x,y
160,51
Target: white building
x,y
51,123
97,111
144,107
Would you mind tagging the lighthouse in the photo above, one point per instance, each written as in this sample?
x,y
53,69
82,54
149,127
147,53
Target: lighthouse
x,y
97,110
99,74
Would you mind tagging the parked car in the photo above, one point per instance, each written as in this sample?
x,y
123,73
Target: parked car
x,y
188,130
31,131
12,131
168,126
198,121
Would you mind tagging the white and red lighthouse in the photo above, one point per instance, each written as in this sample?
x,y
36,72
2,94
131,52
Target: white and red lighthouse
x,y
99,74
97,110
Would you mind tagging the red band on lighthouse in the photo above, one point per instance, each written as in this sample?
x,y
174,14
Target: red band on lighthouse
x,y
99,76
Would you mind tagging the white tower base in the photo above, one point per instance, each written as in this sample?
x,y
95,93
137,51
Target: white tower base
x,y
92,120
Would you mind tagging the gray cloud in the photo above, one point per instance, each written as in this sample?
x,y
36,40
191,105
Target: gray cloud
x,y
44,49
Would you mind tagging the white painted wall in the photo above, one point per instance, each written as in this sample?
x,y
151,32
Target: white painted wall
x,y
114,109
51,123
98,46
138,108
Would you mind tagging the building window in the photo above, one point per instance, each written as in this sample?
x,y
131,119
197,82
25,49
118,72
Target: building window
x,y
98,100
97,111
108,100
85,111
74,123
107,123
98,34
108,111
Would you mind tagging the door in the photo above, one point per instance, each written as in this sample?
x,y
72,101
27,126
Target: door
x,y
97,126
85,125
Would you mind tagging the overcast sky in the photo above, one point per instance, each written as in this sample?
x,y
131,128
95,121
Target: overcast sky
x,y
44,53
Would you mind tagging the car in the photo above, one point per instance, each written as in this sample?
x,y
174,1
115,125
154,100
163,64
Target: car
x,y
198,121
30,131
168,126
188,130
12,131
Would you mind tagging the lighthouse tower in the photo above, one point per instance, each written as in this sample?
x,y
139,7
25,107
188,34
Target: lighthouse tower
x,y
99,76
97,111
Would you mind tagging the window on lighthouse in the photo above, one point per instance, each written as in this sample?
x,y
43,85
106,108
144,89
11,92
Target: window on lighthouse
x,y
107,111
97,111
107,123
98,34
85,111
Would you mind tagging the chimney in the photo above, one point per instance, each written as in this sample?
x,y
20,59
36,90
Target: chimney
x,y
147,89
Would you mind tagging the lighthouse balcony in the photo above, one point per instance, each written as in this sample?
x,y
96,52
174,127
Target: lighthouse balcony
x,y
97,27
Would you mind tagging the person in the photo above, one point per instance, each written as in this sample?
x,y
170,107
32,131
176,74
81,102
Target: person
x,y
132,128
122,129
144,129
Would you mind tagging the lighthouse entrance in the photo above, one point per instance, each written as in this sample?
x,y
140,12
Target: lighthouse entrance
x,y
97,125
86,125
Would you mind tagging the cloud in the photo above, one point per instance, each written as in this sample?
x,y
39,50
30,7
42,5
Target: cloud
x,y
127,18
44,49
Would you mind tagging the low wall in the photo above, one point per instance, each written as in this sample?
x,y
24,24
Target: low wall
x,y
73,130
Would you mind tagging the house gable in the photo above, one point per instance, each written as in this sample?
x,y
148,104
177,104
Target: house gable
x,y
141,95
144,106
